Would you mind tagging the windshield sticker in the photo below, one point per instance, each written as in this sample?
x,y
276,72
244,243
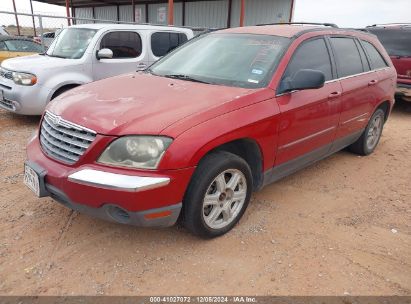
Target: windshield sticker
x,y
257,71
253,81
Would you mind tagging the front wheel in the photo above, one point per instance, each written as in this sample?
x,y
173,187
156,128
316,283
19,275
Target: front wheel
x,y
370,138
218,194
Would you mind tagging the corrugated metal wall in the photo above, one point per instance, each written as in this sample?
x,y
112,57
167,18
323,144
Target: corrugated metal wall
x,y
106,13
86,12
207,13
157,13
261,11
126,13
198,14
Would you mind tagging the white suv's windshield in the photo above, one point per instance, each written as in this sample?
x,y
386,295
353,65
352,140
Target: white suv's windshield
x,y
71,43
243,60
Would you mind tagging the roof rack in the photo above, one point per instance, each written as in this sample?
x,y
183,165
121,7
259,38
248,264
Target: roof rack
x,y
300,23
389,24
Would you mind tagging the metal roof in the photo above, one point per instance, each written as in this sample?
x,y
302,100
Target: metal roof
x,y
95,3
99,26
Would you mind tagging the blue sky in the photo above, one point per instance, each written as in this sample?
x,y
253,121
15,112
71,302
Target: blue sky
x,y
345,13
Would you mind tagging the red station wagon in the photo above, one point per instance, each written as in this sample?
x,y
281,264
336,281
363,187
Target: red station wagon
x,y
224,115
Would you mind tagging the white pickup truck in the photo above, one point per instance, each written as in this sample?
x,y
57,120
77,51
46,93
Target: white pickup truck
x,y
82,54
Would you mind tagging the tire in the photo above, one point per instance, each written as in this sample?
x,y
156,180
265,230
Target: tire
x,y
220,212
370,138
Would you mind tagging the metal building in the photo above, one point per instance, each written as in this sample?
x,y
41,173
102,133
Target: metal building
x,y
192,13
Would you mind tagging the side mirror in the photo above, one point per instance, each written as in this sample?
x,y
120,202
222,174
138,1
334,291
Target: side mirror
x,y
303,80
105,54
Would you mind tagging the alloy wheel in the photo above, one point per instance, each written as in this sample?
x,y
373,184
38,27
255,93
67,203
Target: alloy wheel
x,y
224,199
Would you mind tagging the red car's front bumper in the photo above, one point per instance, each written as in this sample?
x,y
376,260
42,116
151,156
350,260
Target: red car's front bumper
x,y
126,196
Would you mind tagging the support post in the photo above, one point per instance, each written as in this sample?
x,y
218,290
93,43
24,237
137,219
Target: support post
x,y
118,13
230,5
67,12
291,11
170,12
242,12
73,13
17,18
41,33
32,17
184,12
146,12
133,5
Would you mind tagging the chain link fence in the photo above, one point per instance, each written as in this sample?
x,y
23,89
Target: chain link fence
x,y
42,27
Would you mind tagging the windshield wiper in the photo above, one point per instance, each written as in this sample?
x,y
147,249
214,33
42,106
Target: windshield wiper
x,y
56,56
185,77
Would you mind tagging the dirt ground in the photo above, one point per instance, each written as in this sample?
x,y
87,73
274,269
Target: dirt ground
x,y
341,226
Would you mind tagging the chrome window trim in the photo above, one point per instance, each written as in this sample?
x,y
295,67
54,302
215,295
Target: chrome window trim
x,y
114,181
339,79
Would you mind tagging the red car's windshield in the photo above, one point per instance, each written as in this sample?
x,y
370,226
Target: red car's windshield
x,y
243,60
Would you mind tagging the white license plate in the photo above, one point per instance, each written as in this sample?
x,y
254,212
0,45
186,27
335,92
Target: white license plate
x,y
31,180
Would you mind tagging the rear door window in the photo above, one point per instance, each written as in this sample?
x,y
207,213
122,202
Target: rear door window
x,y
123,44
365,63
313,55
164,42
377,61
347,56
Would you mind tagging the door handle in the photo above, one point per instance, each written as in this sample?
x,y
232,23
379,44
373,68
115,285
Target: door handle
x,y
334,95
373,82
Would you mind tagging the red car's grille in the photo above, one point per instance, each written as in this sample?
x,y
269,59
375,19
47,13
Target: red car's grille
x,y
64,140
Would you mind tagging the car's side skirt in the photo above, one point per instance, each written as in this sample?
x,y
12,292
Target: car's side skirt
x,y
278,172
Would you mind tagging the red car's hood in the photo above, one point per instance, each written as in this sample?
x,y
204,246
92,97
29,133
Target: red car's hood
x,y
145,104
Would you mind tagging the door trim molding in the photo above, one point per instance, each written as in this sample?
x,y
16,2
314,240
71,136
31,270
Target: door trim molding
x,y
285,169
300,140
355,118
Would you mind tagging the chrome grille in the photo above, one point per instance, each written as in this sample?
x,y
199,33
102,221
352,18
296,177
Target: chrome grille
x,y
64,140
6,74
6,103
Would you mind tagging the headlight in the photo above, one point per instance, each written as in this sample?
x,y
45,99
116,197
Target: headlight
x,y
24,78
143,152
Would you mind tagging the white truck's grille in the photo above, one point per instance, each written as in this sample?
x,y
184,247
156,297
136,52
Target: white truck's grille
x,y
64,140
6,73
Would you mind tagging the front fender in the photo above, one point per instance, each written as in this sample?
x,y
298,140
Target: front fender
x,y
256,122
63,84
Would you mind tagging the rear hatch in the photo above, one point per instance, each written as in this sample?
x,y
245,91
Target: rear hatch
x,y
397,42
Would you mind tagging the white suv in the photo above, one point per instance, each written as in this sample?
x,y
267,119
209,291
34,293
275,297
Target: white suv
x,y
79,55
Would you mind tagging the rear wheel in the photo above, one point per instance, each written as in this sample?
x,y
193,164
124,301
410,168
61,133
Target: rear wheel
x,y
369,139
218,194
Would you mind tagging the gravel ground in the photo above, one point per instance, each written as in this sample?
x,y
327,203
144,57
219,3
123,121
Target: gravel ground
x,y
341,226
